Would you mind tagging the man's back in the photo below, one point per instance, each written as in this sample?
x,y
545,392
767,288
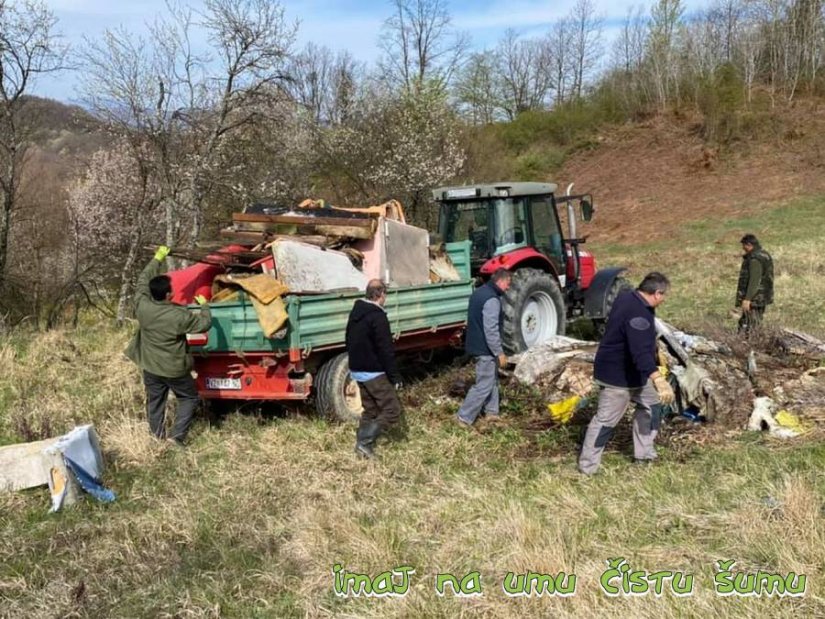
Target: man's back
x,y
629,343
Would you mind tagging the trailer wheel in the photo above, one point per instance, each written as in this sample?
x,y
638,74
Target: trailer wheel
x,y
533,309
337,396
619,284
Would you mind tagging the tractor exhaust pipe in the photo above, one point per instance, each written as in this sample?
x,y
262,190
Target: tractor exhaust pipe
x,y
574,246
571,214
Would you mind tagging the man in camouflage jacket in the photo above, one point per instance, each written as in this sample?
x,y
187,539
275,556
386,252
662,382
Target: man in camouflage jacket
x,y
755,289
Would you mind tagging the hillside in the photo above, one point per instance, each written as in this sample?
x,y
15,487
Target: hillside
x,y
649,179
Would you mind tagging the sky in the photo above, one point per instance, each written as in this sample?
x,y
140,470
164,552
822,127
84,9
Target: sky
x,y
354,25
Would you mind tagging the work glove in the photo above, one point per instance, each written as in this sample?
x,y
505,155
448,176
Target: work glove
x,y
200,299
161,253
665,391
502,360
746,305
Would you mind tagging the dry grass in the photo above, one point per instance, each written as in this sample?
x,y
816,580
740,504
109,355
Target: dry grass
x,y
250,519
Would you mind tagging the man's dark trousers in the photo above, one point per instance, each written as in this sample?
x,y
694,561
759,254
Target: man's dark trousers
x,y
382,409
157,391
752,320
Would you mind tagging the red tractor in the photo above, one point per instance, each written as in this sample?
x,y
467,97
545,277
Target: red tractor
x,y
516,226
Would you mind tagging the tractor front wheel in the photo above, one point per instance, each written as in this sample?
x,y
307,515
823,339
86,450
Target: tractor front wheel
x,y
533,309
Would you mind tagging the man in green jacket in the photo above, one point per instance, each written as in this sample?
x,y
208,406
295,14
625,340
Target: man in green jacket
x,y
159,348
754,291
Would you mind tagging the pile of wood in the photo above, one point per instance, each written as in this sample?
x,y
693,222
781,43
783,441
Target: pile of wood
x,y
317,226
311,222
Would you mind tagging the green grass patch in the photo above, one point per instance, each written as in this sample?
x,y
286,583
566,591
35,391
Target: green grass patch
x,y
703,259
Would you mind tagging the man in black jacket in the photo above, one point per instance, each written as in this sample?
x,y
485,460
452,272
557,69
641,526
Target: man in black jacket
x,y
626,369
372,365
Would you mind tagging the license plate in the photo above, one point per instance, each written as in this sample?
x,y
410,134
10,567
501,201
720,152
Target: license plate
x,y
223,383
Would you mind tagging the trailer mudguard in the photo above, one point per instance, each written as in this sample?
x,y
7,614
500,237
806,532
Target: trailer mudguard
x,y
597,295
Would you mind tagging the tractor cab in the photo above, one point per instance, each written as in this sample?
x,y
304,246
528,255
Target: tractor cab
x,y
498,222
516,226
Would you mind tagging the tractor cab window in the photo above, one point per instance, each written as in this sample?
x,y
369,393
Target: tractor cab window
x,y
467,221
510,217
546,232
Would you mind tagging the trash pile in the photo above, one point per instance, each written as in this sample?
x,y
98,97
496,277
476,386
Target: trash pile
x,y
314,248
776,384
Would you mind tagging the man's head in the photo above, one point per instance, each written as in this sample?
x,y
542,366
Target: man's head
x,y
749,243
376,291
161,288
654,287
502,278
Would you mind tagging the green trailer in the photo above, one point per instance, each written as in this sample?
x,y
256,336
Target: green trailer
x,y
235,360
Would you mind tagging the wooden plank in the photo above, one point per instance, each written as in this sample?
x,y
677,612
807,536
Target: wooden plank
x,y
247,238
297,220
346,231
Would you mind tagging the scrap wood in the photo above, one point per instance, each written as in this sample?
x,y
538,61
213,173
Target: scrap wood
x,y
802,344
303,229
391,209
352,232
247,237
296,219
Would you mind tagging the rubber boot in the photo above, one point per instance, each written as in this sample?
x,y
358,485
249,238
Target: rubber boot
x,y
365,439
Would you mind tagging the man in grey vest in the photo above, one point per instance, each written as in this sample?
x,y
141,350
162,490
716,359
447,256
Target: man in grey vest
x,y
483,342
754,291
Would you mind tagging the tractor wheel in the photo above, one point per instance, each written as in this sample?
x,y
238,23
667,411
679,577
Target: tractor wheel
x,y
533,309
619,284
337,396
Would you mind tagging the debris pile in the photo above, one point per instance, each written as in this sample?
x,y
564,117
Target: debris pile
x,y
773,383
313,248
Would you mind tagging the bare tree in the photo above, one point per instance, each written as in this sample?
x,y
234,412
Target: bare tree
x,y
525,73
29,48
628,60
324,83
184,105
665,22
560,59
420,44
477,88
586,43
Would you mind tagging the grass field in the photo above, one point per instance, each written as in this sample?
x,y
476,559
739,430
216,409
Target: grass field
x,y
250,519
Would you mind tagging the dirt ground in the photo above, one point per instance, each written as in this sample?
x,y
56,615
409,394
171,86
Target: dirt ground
x,y
673,177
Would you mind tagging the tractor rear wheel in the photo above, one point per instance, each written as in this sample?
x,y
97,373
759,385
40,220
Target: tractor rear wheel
x,y
533,309
337,397
619,284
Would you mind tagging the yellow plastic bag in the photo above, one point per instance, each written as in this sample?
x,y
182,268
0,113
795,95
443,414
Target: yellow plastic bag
x,y
562,412
788,420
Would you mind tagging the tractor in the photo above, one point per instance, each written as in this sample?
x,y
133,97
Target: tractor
x,y
516,226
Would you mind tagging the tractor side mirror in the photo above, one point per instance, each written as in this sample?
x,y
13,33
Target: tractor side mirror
x,y
586,210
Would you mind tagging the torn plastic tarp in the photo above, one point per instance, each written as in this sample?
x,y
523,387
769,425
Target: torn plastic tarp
x,y
80,450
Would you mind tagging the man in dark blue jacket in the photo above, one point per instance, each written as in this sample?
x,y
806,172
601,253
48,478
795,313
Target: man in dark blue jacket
x,y
372,365
626,370
483,342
